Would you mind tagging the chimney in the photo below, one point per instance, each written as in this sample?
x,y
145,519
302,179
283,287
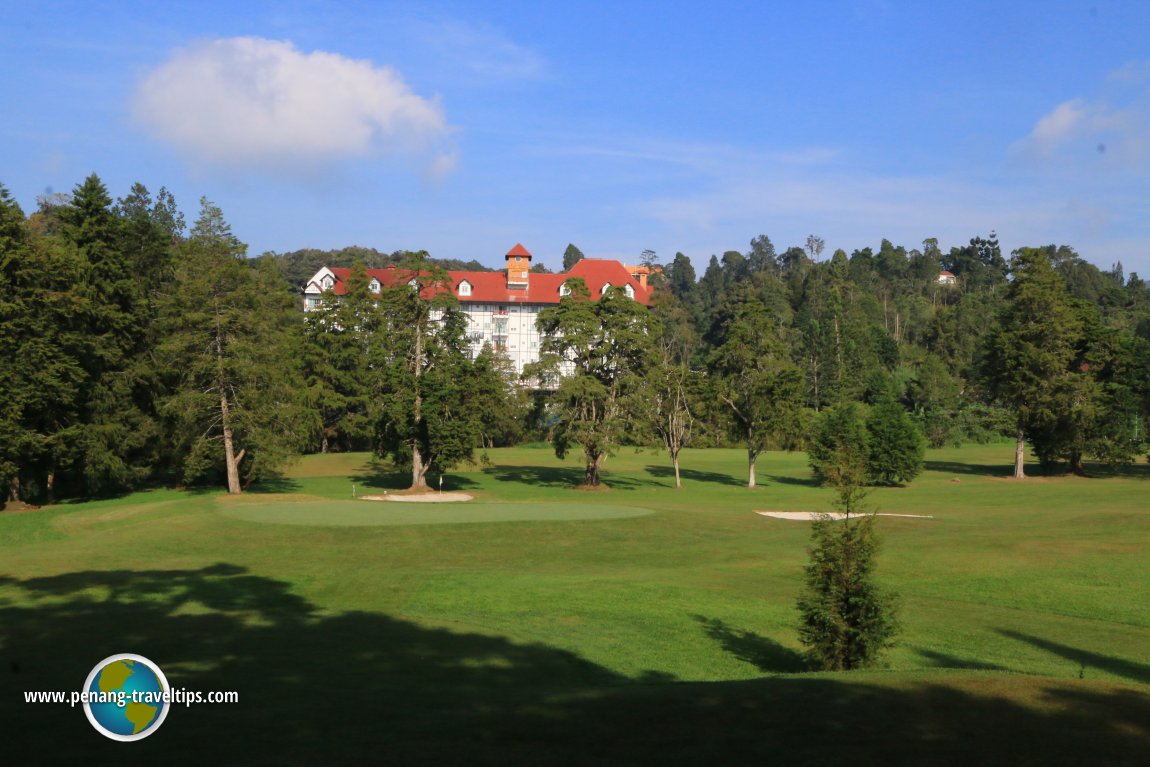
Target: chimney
x,y
518,267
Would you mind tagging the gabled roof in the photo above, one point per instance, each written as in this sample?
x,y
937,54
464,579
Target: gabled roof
x,y
596,272
491,287
519,250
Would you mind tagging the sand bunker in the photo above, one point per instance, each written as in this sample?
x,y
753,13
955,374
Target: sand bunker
x,y
419,497
807,516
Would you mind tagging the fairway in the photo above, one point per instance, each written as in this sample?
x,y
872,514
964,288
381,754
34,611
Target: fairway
x,y
541,624
366,513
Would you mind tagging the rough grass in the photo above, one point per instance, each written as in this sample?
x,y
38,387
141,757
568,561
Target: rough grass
x,y
558,631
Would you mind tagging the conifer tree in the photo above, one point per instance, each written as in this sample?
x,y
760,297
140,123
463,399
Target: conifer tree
x,y
427,414
501,404
1027,361
230,342
897,448
42,375
571,256
846,619
338,337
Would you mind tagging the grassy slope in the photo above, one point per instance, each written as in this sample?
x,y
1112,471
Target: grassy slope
x,y
498,639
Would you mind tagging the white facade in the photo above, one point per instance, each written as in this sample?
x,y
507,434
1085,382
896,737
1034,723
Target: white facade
x,y
502,307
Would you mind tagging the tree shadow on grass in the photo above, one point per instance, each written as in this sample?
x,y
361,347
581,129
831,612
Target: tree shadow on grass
x,y
276,482
971,469
376,475
561,477
323,687
1124,470
1004,470
1084,659
694,475
783,479
943,660
765,654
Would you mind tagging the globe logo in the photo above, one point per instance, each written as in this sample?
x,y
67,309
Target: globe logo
x,y
125,697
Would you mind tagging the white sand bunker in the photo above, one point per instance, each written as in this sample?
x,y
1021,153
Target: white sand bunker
x,y
419,497
807,516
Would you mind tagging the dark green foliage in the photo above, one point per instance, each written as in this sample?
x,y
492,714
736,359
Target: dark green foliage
x,y
502,405
111,449
428,414
230,344
887,445
336,354
761,389
837,433
94,297
603,349
1104,396
934,397
1028,356
681,278
571,256
847,621
42,378
897,448
979,266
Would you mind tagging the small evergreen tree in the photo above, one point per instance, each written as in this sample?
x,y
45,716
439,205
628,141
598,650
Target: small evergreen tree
x,y
847,621
897,447
837,432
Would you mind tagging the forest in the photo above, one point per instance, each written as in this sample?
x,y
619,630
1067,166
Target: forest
x,y
138,351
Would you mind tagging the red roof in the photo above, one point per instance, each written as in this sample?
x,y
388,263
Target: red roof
x,y
519,250
945,273
491,287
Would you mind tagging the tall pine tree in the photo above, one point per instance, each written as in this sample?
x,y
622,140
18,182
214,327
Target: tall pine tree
x,y
236,405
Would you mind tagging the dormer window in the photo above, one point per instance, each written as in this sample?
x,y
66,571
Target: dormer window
x,y
564,289
465,288
374,286
606,287
328,282
630,291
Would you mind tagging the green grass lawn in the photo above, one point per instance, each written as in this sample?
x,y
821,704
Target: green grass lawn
x,y
542,624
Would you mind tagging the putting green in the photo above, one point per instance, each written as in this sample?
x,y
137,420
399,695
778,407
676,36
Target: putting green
x,y
369,513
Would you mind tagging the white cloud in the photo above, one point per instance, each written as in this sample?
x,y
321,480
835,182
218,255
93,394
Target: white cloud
x,y
1057,127
1112,126
262,104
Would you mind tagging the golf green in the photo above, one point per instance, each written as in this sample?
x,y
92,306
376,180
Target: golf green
x,y
372,513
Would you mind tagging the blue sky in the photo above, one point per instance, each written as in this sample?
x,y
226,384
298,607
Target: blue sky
x,y
463,128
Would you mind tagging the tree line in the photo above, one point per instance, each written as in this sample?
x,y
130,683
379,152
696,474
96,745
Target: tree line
x,y
139,351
